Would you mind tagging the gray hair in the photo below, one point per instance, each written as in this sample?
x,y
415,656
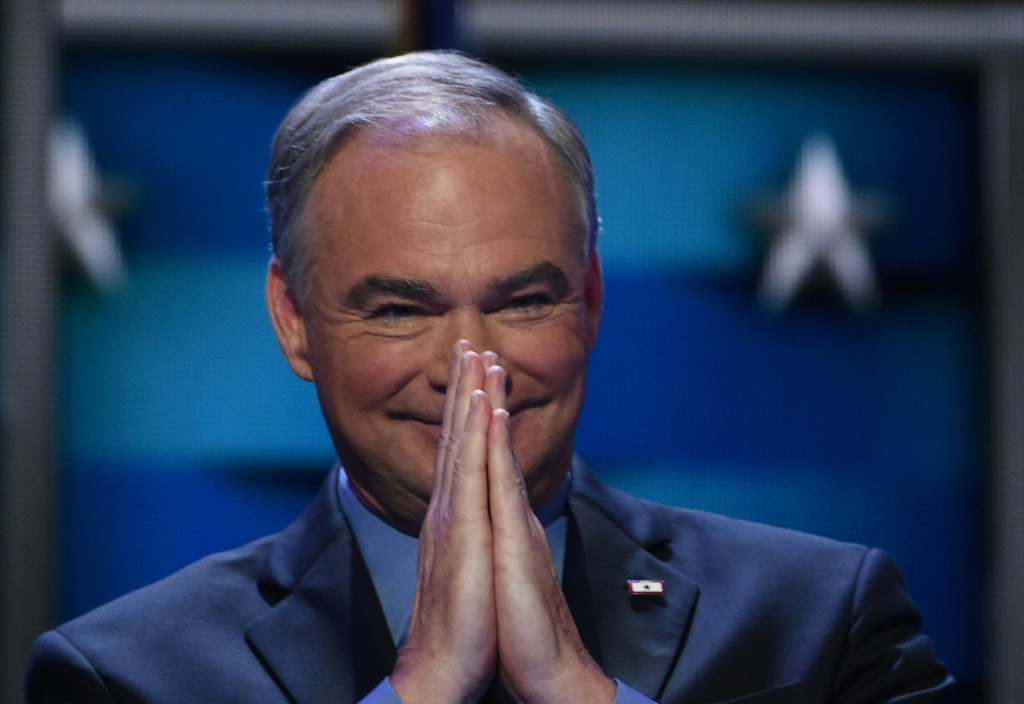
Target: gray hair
x,y
435,91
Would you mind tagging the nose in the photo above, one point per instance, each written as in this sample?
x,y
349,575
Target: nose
x,y
463,324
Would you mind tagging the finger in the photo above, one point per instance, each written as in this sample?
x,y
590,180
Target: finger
x,y
454,367
510,510
450,438
494,385
472,379
469,474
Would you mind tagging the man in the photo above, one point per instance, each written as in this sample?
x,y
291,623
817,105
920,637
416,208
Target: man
x,y
435,275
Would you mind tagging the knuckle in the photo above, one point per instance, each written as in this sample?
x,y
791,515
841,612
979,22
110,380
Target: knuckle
x,y
445,440
451,444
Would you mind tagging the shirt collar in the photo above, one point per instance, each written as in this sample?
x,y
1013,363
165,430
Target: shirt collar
x,y
391,556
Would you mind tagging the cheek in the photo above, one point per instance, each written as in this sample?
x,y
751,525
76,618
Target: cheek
x,y
552,369
554,359
363,371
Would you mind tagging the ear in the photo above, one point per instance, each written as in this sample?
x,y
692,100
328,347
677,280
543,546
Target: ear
x,y
288,321
593,298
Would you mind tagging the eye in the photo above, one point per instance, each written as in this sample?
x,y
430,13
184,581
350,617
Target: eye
x,y
530,301
399,319
533,304
395,312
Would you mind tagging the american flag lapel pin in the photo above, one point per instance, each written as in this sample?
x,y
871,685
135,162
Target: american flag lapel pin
x,y
646,587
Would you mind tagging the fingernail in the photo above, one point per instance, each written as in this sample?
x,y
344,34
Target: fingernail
x,y
478,397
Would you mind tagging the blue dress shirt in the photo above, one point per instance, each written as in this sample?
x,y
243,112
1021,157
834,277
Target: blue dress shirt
x,y
391,557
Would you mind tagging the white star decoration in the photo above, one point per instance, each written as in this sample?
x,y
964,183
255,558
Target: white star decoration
x,y
820,222
74,191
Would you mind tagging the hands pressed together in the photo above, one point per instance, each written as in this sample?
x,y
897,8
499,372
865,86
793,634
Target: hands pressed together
x,y
487,598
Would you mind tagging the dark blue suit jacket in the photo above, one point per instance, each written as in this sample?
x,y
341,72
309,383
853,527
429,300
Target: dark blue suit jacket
x,y
751,614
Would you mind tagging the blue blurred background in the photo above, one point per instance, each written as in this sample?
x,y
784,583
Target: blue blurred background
x,y
184,432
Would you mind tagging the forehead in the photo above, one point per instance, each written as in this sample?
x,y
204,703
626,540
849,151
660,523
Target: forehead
x,y
442,205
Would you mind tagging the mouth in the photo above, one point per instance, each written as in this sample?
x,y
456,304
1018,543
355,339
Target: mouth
x,y
431,424
428,426
526,405
424,419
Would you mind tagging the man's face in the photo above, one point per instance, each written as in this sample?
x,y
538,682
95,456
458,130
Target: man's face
x,y
418,246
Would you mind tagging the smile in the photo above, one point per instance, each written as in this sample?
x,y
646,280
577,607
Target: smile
x,y
429,421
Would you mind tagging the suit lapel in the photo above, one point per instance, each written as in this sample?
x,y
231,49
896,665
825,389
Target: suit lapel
x,y
305,641
326,639
635,639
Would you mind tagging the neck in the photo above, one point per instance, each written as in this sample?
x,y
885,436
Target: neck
x,y
396,519
408,518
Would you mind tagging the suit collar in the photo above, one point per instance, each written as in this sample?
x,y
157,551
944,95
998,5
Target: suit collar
x,y
613,538
325,637
298,547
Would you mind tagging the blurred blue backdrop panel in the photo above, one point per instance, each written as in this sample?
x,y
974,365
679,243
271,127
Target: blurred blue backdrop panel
x,y
184,432
680,155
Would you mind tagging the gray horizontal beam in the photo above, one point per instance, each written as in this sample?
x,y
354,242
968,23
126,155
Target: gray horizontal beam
x,y
665,27
569,27
347,25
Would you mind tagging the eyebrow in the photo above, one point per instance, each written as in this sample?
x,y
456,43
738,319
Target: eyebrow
x,y
540,273
374,285
382,285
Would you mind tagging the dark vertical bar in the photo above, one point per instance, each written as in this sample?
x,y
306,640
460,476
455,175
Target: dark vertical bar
x,y
1003,125
27,315
430,24
408,36
440,29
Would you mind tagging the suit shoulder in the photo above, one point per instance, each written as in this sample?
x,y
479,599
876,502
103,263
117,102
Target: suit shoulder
x,y
701,531
709,544
140,647
58,671
217,592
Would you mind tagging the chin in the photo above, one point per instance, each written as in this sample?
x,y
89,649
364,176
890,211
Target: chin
x,y
541,462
